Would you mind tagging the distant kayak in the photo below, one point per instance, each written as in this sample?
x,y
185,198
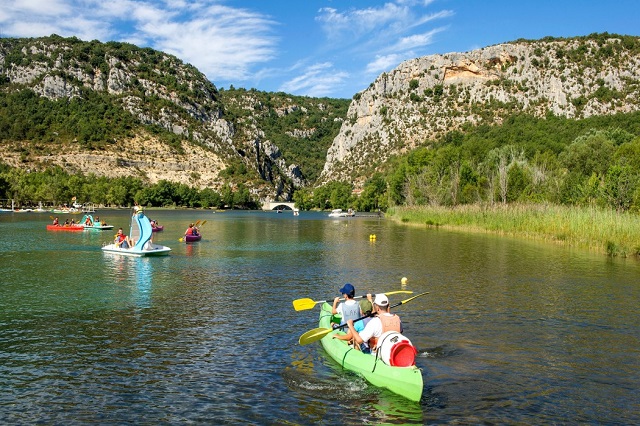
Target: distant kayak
x,y
65,228
192,238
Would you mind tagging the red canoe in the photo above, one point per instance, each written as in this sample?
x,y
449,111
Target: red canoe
x,y
65,228
192,238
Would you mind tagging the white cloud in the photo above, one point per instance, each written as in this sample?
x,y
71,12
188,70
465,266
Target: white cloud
x,y
222,42
359,22
416,40
33,8
381,36
317,80
384,63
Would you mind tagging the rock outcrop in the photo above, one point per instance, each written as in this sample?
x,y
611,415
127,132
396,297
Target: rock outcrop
x,y
160,92
424,98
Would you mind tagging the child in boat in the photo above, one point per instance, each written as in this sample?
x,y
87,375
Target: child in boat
x,y
349,309
56,222
365,311
121,239
190,230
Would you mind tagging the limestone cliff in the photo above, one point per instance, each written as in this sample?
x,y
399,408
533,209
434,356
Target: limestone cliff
x,y
182,128
424,98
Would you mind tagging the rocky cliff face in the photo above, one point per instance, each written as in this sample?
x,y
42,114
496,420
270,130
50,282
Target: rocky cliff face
x,y
158,90
270,134
424,98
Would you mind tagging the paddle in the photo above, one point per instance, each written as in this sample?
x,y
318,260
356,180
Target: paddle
x,y
303,304
318,333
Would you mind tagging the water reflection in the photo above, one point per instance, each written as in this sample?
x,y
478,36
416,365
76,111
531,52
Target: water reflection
x,y
512,332
133,275
144,274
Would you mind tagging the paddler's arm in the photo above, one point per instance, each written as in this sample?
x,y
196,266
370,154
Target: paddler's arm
x,y
354,333
334,310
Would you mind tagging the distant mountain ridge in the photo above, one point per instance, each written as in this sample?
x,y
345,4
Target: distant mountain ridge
x,y
152,116
115,109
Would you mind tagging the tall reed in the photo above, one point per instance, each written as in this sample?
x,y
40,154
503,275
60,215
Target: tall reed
x,y
602,230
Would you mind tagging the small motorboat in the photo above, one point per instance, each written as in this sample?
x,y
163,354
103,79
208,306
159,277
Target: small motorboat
x,y
140,233
342,213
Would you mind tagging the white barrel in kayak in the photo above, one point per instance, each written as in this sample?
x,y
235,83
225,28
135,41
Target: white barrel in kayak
x,y
396,350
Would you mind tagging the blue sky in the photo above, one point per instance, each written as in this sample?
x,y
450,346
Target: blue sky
x,y
317,48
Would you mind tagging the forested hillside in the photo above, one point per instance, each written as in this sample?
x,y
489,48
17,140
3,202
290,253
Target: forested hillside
x,y
554,120
114,110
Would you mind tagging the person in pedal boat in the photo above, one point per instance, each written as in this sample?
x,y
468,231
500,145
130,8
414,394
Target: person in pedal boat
x,y
383,321
121,240
349,309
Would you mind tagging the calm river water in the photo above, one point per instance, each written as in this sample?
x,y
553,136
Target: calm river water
x,y
512,332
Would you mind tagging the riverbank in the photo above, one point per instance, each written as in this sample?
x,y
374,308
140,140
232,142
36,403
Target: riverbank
x,y
602,230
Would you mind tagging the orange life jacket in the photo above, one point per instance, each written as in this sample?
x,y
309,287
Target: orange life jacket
x,y
389,323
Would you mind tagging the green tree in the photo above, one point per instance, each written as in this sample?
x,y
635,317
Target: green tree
x,y
303,199
209,198
589,153
374,194
620,183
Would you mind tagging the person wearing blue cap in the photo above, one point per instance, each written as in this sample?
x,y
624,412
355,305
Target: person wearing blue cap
x,y
349,309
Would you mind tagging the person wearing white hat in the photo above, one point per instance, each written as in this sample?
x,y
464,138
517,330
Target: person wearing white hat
x,y
383,321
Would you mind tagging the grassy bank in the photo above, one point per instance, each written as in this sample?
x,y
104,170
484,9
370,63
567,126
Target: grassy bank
x,y
601,230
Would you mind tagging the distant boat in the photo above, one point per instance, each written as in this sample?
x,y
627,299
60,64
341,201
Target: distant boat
x,y
93,224
342,213
65,228
65,210
192,238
